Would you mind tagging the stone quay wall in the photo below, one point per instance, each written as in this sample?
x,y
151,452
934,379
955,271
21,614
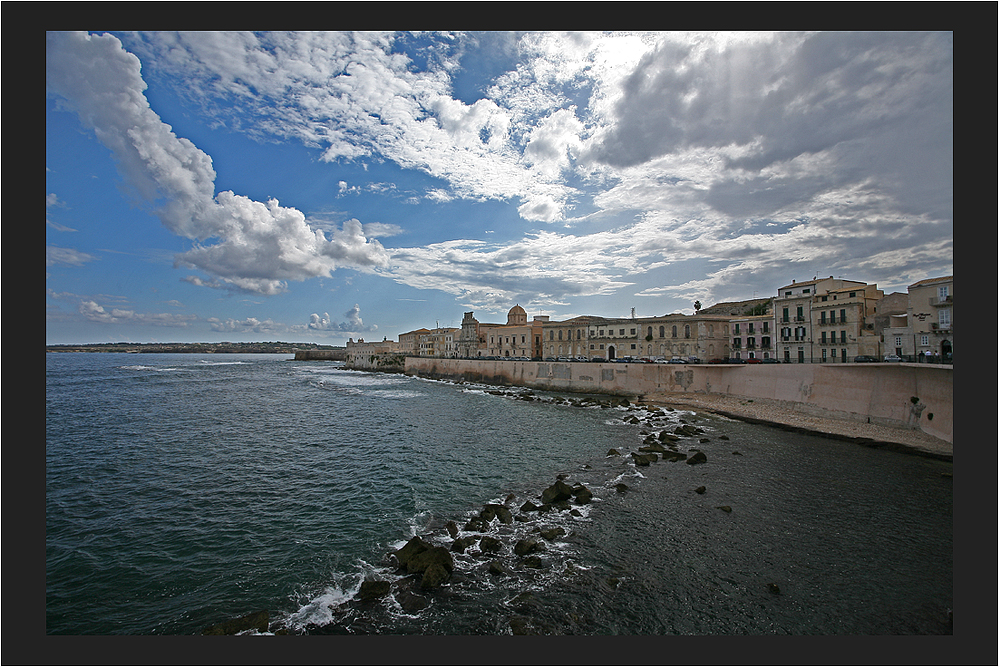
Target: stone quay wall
x,y
911,396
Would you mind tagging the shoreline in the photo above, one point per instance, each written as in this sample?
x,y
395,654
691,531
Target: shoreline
x,y
771,413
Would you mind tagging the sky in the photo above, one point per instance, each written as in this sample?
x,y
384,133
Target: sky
x,y
320,187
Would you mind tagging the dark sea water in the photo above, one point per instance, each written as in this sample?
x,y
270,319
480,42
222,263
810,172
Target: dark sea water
x,y
185,490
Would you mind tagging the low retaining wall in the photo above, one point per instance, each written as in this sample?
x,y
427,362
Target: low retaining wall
x,y
914,396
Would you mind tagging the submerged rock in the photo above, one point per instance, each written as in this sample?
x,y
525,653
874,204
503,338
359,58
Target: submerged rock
x,y
255,621
700,490
372,589
697,458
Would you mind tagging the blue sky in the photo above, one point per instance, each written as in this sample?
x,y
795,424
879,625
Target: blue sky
x,y
315,187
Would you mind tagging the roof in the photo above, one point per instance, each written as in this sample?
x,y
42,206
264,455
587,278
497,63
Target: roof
x,y
928,281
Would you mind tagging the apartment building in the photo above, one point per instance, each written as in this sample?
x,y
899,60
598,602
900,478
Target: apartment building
x,y
925,332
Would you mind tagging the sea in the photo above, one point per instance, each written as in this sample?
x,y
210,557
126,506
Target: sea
x,y
184,490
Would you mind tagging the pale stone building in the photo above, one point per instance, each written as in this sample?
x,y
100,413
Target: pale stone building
x,y
363,354
813,328
925,332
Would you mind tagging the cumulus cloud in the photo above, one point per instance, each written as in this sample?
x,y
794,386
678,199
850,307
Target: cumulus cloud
x,y
354,323
94,312
250,245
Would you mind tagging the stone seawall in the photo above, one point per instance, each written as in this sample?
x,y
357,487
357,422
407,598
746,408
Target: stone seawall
x,y
909,396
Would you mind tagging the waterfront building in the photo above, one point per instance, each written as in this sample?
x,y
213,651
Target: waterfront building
x,y
568,339
925,331
363,354
409,343
438,342
515,338
802,316
470,340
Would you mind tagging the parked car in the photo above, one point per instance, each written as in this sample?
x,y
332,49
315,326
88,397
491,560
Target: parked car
x,y
717,360
677,360
734,360
694,360
866,358
892,358
770,360
752,360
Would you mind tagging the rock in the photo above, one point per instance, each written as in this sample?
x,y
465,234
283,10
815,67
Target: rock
x,y
411,602
613,453
697,458
490,544
703,440
582,495
560,491
434,576
553,533
621,488
737,452
418,555
773,588
687,430
532,561
723,438
255,621
414,546
667,436
725,509
497,568
527,546
372,589
641,460
452,529
700,490
476,524
501,513
675,457
528,507
461,543
655,447
487,514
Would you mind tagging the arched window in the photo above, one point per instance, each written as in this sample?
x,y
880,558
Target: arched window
x,y
661,331
649,332
687,331
560,335
673,331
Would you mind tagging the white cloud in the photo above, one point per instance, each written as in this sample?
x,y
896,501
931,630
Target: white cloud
x,y
260,247
94,312
66,256
353,324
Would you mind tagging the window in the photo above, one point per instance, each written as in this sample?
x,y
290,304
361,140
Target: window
x,y
649,332
737,343
843,354
750,328
843,336
899,341
687,331
560,335
843,315
823,298
661,331
822,317
824,355
943,293
852,294
633,331
751,342
767,327
621,332
924,340
673,331
711,330
822,337
633,346
736,328
798,313
944,318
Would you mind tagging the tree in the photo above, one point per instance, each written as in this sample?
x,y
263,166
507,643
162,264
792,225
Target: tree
x,y
697,305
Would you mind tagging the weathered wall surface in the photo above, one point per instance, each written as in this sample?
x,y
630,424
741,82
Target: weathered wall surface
x,y
917,396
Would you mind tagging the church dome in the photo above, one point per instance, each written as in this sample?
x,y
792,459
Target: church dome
x,y
517,316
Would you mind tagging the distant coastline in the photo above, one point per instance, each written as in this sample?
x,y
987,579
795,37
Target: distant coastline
x,y
203,348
